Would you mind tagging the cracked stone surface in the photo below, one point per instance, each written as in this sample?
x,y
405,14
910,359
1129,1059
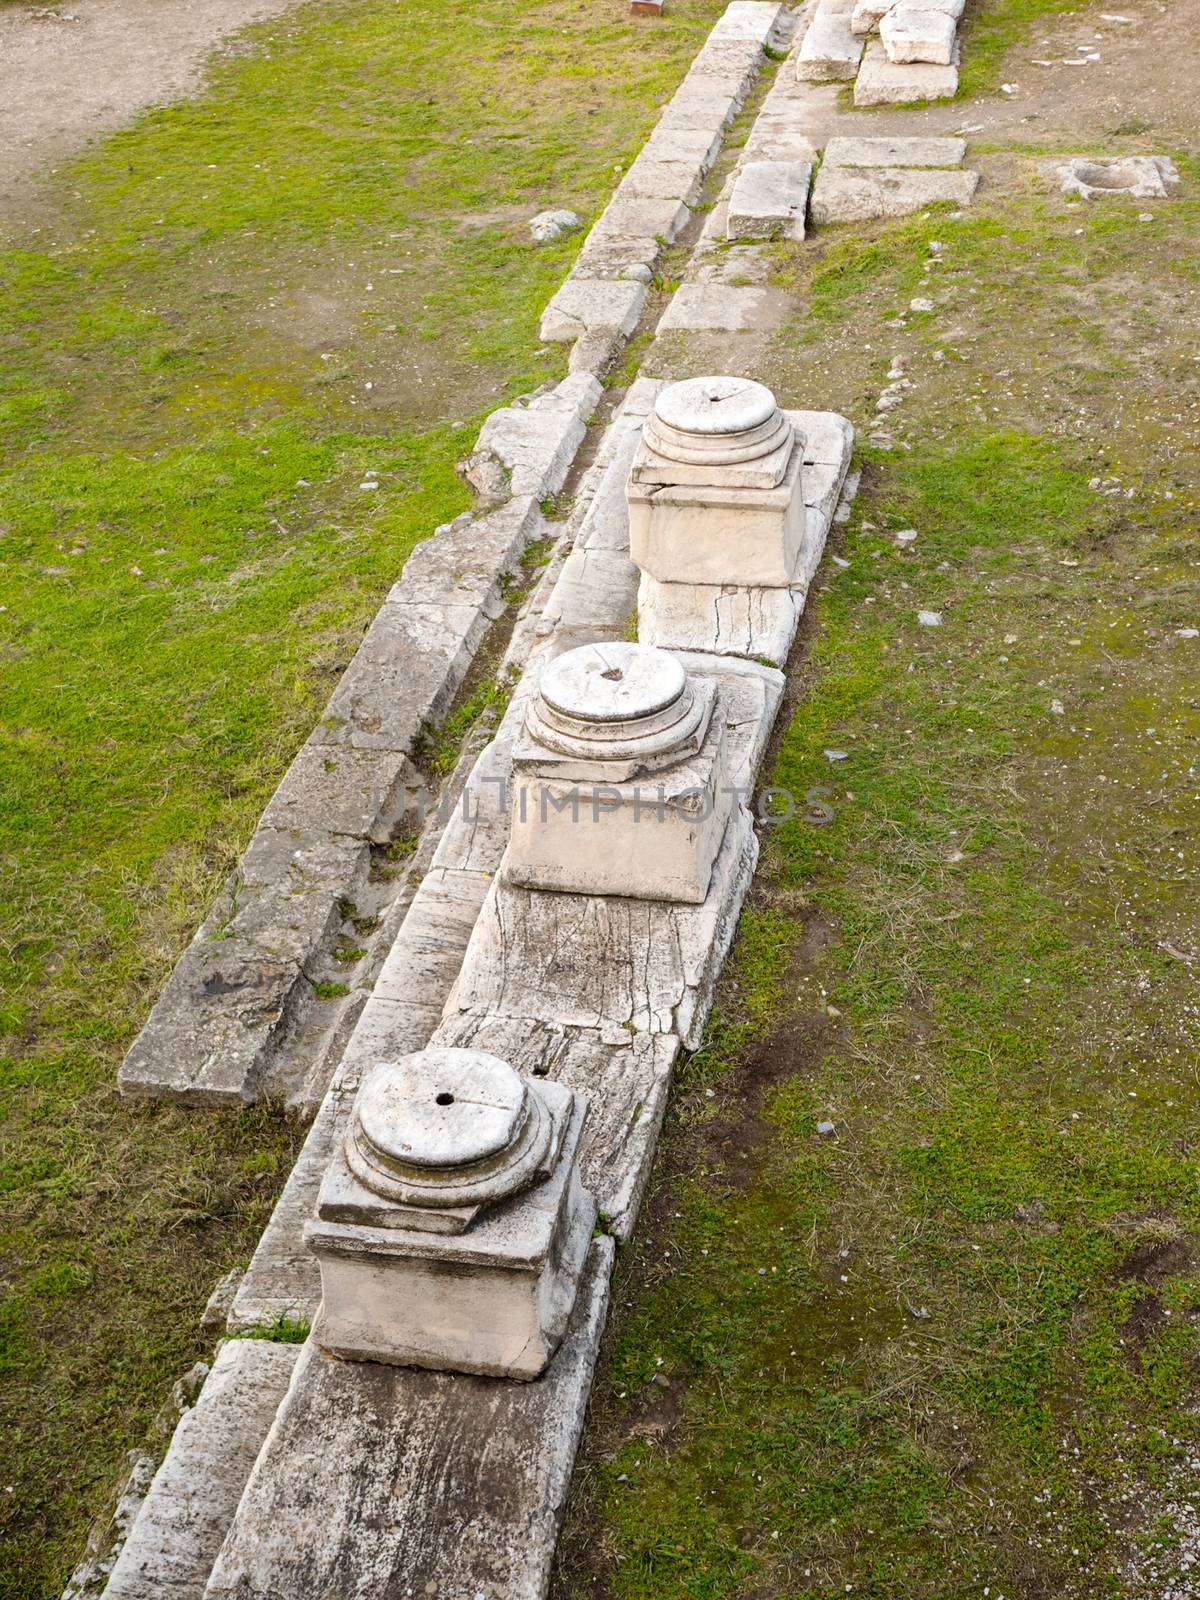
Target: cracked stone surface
x,y
613,965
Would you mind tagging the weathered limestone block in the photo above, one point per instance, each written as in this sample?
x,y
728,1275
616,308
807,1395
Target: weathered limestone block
x,y
910,33
620,784
593,961
716,490
721,308
582,305
364,794
769,200
451,1224
831,50
856,194
881,82
185,1516
443,1484
896,152
288,888
607,255
778,140
755,623
747,19
625,1084
624,218
697,147
606,524
424,960
535,441
210,1034
649,179
702,109
463,563
750,696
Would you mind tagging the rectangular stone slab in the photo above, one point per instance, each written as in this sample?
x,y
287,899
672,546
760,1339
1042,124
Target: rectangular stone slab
x,y
769,200
184,1518
898,152
856,194
386,1481
881,82
830,51
583,304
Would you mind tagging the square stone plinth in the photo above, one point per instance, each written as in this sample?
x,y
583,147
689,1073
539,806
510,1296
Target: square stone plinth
x,y
719,532
654,836
494,1300
913,33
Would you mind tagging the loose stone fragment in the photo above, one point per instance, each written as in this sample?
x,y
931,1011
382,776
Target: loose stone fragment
x,y
548,226
769,200
912,34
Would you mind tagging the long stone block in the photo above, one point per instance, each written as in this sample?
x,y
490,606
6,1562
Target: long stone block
x,y
362,794
881,82
721,308
593,598
654,179
172,1545
210,1034
856,194
895,152
388,1481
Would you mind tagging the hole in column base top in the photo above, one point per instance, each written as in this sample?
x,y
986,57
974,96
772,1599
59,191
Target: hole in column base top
x,y
614,674
445,1099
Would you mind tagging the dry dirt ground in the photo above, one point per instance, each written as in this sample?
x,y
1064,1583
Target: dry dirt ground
x,y
73,71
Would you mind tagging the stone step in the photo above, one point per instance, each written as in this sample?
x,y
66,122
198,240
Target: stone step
x,y
186,1514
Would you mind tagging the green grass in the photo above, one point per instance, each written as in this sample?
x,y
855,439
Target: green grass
x,y
218,323
949,1348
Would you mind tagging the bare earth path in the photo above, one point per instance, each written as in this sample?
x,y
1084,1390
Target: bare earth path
x,y
70,73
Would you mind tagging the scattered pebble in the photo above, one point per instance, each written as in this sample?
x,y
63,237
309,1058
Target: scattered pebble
x,y
929,619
